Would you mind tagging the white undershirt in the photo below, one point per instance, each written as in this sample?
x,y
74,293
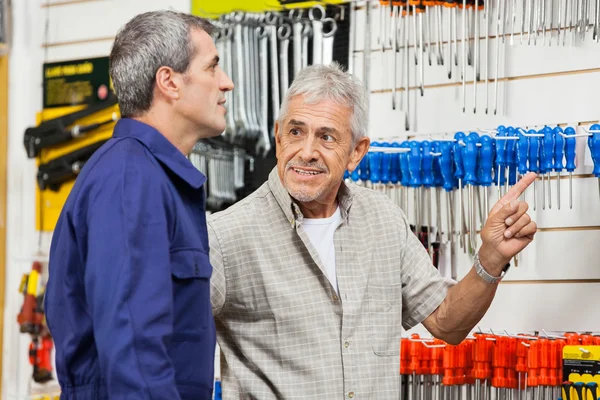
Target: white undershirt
x,y
320,232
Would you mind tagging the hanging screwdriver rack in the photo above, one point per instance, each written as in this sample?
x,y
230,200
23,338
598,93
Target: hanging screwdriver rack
x,y
467,165
466,38
494,365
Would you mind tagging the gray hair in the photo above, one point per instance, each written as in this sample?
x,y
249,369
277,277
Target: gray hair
x,y
329,82
143,45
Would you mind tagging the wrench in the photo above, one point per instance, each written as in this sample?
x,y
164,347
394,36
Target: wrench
x,y
263,146
283,33
317,25
328,37
271,20
306,33
227,37
297,39
241,119
249,78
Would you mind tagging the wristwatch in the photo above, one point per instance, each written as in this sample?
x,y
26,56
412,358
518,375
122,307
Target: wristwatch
x,y
484,274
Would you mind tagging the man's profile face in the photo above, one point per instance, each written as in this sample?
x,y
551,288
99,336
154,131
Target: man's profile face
x,y
202,98
314,148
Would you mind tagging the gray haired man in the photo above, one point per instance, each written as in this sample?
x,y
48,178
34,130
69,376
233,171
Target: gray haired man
x,y
128,300
313,279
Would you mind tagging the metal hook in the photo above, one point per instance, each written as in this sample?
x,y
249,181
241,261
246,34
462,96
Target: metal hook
x,y
333,27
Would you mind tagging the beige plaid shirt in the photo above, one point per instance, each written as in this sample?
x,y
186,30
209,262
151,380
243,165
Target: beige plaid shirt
x,y
283,331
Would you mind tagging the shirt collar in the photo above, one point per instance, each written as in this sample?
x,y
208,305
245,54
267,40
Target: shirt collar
x,y
291,209
161,148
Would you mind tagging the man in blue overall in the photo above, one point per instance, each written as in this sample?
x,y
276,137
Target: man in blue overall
x,y
127,300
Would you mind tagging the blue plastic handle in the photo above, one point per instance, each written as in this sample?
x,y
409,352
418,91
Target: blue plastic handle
x,y
375,167
459,171
522,153
404,170
469,156
559,149
511,147
395,165
427,164
445,161
548,149
534,152
386,165
594,145
486,159
414,164
500,160
570,143
438,179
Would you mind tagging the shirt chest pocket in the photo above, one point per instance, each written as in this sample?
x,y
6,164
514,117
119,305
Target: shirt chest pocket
x,y
190,274
385,319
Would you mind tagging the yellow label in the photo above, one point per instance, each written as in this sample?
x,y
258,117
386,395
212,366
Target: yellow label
x,y
23,283
213,9
583,353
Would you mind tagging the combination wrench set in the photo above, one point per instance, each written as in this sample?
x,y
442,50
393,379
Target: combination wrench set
x,y
262,53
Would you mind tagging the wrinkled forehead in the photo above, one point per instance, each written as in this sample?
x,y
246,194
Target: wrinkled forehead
x,y
318,114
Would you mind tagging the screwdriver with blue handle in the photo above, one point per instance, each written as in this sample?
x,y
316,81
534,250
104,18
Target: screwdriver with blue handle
x,y
438,183
427,169
414,169
486,160
404,176
594,145
548,159
386,166
559,149
522,153
395,190
363,166
534,154
459,174
375,169
445,161
500,162
469,156
570,143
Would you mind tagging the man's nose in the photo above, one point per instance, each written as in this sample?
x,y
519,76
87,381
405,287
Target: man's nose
x,y
309,149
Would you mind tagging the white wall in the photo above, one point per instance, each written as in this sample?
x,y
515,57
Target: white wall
x,y
545,85
77,30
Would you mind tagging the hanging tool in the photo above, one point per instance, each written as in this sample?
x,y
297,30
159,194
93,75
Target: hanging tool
x,y
487,52
427,182
328,38
283,34
522,153
548,159
263,145
559,148
317,28
395,49
499,18
594,145
367,48
459,173
486,161
570,143
464,51
295,16
476,65
420,9
306,33
469,157
56,131
500,157
407,67
414,169
450,5
534,154
54,173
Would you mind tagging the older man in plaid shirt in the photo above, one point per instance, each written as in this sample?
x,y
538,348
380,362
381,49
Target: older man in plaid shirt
x,y
313,279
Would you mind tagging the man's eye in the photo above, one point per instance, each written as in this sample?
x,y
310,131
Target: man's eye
x,y
294,132
328,138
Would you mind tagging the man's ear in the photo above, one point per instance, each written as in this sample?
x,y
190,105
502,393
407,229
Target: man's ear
x,y
277,139
168,83
360,149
